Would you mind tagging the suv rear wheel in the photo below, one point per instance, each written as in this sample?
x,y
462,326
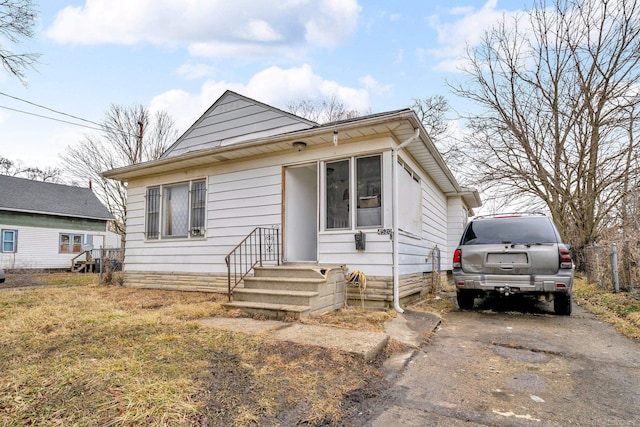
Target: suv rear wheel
x,y
465,299
562,304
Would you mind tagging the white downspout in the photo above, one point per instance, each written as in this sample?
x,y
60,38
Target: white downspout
x,y
395,210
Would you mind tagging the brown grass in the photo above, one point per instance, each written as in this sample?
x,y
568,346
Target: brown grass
x,y
108,355
354,318
622,310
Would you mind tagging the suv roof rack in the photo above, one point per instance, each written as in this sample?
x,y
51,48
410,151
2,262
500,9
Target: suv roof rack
x,y
510,214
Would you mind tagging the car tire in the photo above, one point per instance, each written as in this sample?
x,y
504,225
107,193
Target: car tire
x,y
465,300
562,304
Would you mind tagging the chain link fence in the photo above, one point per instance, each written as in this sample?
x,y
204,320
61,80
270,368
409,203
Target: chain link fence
x,y
603,263
108,261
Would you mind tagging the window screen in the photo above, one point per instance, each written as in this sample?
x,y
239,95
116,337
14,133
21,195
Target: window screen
x,y
369,177
337,176
198,198
153,213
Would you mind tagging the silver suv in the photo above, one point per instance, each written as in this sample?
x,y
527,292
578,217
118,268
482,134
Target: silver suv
x,y
513,254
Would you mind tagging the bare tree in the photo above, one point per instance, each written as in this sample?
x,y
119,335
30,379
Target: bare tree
x,y
16,168
432,112
132,135
323,110
17,18
554,87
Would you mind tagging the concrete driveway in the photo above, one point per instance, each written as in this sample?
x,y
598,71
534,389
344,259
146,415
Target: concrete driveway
x,y
518,368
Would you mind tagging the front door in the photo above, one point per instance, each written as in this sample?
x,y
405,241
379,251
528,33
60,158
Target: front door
x,y
301,213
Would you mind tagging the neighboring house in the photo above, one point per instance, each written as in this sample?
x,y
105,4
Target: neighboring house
x,y
245,164
45,225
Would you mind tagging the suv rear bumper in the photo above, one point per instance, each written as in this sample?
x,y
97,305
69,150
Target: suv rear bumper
x,y
514,283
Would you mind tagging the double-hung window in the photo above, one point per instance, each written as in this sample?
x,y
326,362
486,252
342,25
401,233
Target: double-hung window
x,y
9,241
367,192
176,210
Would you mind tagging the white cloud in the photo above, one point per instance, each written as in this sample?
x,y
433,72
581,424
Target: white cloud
x,y
465,30
195,71
376,87
274,86
336,20
209,27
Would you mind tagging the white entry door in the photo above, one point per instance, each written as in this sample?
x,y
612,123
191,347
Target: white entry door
x,y
301,213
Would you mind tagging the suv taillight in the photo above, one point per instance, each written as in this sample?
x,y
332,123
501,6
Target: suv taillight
x,y
565,258
457,258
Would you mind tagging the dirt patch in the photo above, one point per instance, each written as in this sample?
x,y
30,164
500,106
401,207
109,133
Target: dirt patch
x,y
292,385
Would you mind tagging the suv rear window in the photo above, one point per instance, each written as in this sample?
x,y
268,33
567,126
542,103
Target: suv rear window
x,y
520,230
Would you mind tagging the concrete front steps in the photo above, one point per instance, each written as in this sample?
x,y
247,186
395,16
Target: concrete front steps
x,y
291,291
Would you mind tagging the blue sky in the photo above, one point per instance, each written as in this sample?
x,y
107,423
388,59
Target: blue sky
x,y
180,55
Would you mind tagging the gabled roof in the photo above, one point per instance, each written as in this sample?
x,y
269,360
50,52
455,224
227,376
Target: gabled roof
x,y
25,195
235,118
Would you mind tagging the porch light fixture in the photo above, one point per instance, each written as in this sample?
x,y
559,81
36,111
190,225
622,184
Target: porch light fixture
x,y
299,145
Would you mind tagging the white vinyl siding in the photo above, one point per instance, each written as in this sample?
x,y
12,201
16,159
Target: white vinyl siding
x,y
236,203
234,120
415,251
244,195
457,218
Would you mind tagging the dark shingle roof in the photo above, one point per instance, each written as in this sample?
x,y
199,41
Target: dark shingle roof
x,y
25,195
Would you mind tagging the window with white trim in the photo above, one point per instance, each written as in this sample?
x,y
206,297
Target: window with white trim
x,y
9,241
368,193
176,210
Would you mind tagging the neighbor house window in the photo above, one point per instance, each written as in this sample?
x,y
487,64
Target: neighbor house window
x,y
70,243
9,241
176,210
368,193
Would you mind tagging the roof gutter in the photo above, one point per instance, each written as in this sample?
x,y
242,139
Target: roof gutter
x,y
396,213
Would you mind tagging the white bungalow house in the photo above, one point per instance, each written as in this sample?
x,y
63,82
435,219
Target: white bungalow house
x,y
45,225
370,194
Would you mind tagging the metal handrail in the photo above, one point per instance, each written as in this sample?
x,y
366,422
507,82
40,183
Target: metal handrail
x,y
261,245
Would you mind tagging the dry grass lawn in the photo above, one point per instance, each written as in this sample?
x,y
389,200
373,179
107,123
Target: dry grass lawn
x,y
622,310
78,353
107,355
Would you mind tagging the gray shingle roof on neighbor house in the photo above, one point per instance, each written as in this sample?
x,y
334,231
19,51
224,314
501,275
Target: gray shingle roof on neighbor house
x,y
25,195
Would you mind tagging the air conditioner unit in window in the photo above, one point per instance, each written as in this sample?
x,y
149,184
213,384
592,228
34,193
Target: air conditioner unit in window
x,y
197,232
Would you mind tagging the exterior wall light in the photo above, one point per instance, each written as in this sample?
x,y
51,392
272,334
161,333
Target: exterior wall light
x,y
299,145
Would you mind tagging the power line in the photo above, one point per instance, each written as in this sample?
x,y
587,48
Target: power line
x,y
102,129
50,109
